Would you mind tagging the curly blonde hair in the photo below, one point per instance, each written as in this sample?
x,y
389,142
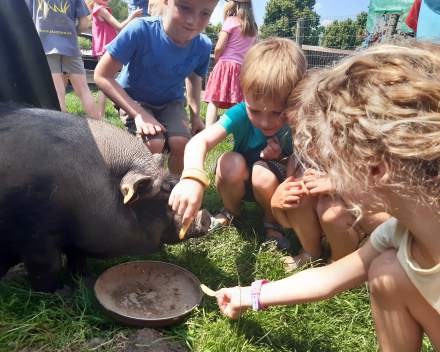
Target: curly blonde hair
x,y
378,106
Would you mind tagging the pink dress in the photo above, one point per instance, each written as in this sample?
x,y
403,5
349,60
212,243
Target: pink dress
x,y
224,83
102,32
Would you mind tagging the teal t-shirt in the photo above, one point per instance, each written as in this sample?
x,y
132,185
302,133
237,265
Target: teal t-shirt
x,y
249,141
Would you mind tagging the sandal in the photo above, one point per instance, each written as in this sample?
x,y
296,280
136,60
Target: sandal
x,y
281,242
216,225
298,261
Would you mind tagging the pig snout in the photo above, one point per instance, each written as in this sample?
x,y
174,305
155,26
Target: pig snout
x,y
200,225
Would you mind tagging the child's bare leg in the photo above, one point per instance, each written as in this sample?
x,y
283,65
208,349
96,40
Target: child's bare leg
x,y
65,80
61,90
337,224
400,312
211,113
264,185
231,175
304,221
177,148
102,100
155,145
79,83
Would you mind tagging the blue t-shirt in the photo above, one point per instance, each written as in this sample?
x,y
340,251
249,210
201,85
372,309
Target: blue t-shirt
x,y
155,68
55,23
429,19
249,141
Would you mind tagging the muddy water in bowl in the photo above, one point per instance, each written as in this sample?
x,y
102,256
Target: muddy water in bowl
x,y
148,293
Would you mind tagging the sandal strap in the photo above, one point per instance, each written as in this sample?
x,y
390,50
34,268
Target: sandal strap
x,y
228,214
274,226
311,257
281,243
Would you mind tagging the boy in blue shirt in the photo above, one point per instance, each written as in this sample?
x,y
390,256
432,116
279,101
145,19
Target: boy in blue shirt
x,y
156,55
262,140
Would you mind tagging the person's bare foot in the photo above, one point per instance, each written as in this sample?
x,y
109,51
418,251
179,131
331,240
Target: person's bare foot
x,y
222,219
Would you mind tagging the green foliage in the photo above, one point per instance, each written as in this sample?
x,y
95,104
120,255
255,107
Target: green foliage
x,y
346,34
84,43
119,9
290,9
213,29
281,20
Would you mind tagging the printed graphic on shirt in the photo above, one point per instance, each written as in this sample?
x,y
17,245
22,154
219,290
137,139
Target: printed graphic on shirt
x,y
187,67
60,6
150,64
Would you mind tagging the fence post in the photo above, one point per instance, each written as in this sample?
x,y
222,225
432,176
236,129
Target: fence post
x,y
391,28
299,31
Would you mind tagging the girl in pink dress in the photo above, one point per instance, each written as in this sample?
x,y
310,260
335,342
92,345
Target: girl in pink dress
x,y
104,27
235,39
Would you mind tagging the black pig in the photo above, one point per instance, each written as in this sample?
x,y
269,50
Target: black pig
x,y
82,187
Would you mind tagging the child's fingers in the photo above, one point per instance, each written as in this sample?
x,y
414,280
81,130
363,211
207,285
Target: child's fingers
x,y
273,144
275,140
171,199
188,215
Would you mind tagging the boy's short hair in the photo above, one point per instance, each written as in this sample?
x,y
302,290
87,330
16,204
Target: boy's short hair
x,y
271,69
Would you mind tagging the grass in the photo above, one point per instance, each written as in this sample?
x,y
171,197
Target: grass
x,y
234,256
84,43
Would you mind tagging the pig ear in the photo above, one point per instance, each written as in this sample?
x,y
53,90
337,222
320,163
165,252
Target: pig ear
x,y
130,189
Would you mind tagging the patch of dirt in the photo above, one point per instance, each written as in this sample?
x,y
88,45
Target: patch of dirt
x,y
143,341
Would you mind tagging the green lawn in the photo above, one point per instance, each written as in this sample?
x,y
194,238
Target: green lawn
x,y
231,257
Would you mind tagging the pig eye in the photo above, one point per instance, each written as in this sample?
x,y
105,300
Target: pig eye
x,y
166,186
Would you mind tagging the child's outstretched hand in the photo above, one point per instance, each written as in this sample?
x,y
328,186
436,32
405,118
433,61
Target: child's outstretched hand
x,y
233,302
273,149
186,198
147,124
288,194
136,13
317,182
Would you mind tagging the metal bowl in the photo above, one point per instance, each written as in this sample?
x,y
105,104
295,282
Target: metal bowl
x,y
148,294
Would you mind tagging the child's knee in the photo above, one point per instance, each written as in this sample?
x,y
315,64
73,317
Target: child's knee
x,y
155,145
387,277
263,178
177,144
231,167
331,210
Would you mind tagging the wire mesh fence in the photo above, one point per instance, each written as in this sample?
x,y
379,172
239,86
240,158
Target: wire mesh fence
x,y
326,40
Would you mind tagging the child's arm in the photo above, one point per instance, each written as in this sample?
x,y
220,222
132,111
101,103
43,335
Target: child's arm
x,y
83,24
311,285
104,78
104,15
186,197
193,88
221,45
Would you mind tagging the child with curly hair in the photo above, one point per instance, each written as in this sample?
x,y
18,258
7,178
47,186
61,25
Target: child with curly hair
x,y
373,123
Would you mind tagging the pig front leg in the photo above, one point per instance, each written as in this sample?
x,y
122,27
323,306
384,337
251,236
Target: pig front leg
x,y
43,264
43,274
